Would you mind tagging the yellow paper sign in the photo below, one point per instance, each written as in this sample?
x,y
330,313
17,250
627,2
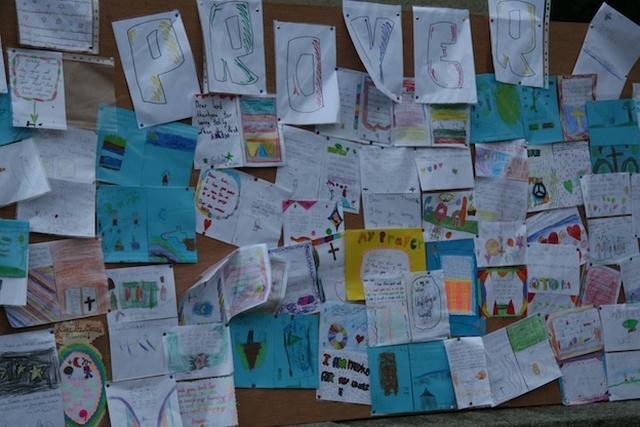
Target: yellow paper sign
x,y
374,253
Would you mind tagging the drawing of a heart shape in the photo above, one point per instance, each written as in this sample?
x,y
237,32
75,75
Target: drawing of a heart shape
x,y
553,238
207,223
568,185
574,231
359,338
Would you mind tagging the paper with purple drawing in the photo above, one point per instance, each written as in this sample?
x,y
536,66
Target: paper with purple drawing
x,y
376,32
500,243
302,295
504,159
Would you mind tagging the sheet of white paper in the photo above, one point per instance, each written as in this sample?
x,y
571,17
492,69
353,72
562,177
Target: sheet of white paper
x,y
410,119
553,268
58,24
427,299
239,209
220,137
375,115
611,239
68,158
234,46
538,365
311,219
334,377
301,173
301,295
136,348
635,202
387,311
506,379
159,67
445,168
583,380
145,402
443,64
500,199
389,170
31,393
3,73
575,332
349,88
391,210
500,243
606,194
609,50
210,402
544,304
518,41
630,271
37,89
198,351
340,177
22,175
331,260
619,325
306,78
469,371
622,375
141,293
376,32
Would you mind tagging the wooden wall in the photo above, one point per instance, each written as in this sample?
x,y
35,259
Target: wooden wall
x,y
261,407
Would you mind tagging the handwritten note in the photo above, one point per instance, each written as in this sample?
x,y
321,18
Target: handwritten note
x,y
219,131
504,291
391,210
500,243
349,89
388,170
375,121
600,285
444,168
583,380
500,199
210,401
619,324
387,311
469,371
37,88
311,219
630,271
553,268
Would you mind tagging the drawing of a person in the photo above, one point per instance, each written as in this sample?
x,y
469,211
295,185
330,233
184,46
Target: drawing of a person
x,y
165,178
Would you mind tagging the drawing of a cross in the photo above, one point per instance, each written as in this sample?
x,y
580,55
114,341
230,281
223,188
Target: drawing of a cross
x,y
578,115
333,251
89,302
614,156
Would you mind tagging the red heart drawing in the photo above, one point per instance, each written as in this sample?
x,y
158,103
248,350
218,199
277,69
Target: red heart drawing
x,y
359,338
553,238
574,231
207,223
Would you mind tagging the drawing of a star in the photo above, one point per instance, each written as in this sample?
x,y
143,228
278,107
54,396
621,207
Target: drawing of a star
x,y
229,156
20,369
36,373
2,374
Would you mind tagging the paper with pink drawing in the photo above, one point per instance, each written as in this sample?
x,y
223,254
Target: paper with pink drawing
x,y
375,118
311,219
445,168
607,194
306,78
239,209
600,285
501,243
37,89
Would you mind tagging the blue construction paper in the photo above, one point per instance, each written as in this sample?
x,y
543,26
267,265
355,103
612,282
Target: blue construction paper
x,y
613,122
9,133
14,248
156,156
541,113
615,158
275,352
467,326
431,377
147,224
497,116
391,385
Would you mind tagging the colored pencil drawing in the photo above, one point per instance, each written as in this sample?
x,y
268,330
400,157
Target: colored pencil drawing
x,y
540,113
449,215
233,34
497,115
262,143
615,158
574,93
14,245
503,291
449,124
613,121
